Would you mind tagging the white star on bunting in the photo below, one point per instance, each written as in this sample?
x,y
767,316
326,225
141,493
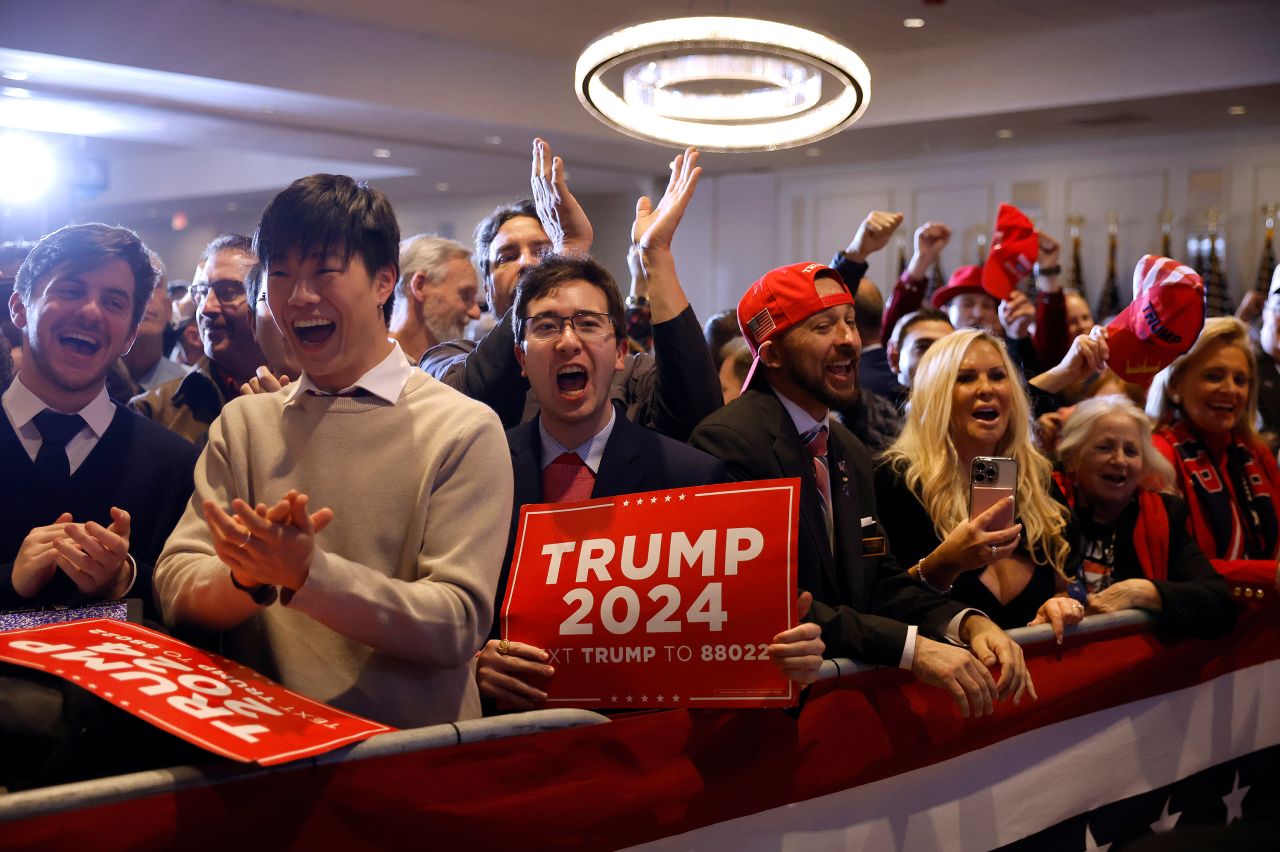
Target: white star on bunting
x,y
1167,820
1235,800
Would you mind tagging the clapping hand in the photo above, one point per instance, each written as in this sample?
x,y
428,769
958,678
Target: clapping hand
x,y
267,545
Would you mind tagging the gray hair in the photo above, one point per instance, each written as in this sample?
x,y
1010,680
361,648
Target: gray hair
x,y
426,253
1157,472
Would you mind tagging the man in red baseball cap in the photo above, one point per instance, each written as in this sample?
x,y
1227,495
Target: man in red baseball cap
x,y
799,322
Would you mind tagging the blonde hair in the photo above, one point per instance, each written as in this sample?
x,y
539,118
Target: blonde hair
x,y
1218,332
1157,473
925,454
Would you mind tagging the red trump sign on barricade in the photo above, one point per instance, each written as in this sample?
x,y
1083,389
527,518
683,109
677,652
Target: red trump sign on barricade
x,y
203,698
659,599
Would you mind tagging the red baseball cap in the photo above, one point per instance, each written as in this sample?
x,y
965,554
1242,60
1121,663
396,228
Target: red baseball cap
x,y
785,297
966,279
1014,249
1161,323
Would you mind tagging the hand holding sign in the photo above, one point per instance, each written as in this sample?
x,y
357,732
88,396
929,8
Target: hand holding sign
x,y
507,671
660,599
798,651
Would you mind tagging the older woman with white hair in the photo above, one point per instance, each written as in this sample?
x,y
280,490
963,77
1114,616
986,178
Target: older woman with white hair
x,y
1205,405
1130,527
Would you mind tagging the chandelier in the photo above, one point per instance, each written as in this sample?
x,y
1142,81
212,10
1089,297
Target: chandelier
x,y
722,84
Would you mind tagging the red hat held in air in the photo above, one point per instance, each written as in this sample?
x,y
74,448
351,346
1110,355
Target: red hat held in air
x,y
1161,323
1014,249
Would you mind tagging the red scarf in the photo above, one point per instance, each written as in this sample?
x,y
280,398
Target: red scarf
x,y
1150,531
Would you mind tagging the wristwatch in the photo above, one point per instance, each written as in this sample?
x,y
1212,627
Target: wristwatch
x,y
1048,271
637,301
261,594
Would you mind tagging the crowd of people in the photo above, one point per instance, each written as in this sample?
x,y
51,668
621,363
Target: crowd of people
x,y
299,459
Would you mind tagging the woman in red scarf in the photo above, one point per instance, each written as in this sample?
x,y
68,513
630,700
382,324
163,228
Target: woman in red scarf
x,y
1131,535
1205,405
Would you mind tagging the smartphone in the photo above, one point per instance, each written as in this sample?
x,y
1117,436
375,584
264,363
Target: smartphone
x,y
992,479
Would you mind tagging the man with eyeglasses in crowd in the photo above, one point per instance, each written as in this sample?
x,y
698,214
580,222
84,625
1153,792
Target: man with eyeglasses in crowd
x,y
231,352
570,340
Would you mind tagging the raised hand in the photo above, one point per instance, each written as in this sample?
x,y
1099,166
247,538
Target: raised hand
x,y
561,215
873,234
655,227
930,239
1088,355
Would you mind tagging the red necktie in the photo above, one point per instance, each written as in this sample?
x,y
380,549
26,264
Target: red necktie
x,y
817,447
567,478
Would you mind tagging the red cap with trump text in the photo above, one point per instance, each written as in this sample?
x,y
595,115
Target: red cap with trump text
x,y
1161,323
786,297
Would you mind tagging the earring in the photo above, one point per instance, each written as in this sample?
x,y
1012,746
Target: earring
x,y
1177,400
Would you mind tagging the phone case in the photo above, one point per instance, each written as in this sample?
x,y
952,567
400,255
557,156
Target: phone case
x,y
991,479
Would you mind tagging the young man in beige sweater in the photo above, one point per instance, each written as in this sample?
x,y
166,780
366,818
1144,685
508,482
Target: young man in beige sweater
x,y
377,602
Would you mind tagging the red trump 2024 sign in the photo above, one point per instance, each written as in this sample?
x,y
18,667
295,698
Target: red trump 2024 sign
x,y
659,599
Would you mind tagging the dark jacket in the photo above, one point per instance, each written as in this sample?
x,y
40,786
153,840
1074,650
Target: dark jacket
x,y
862,601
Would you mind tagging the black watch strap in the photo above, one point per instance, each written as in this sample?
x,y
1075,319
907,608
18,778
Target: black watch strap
x,y
262,595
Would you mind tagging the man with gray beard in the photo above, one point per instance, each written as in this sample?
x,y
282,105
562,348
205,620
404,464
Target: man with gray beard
x,y
436,293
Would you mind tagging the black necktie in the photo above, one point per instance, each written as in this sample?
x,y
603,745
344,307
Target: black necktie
x,y
55,430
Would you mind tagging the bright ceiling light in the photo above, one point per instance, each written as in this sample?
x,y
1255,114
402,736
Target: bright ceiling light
x,y
1004,133
723,84
913,23
1237,110
42,115
27,169
16,75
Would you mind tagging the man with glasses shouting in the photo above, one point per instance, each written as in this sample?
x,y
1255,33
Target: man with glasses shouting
x,y
570,341
231,353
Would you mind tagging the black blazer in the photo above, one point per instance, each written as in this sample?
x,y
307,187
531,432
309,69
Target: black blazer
x,y
635,459
862,602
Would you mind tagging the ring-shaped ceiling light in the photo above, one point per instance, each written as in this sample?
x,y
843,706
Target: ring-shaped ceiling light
x,y
662,57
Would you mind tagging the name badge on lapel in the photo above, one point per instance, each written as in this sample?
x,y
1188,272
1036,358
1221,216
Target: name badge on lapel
x,y
872,545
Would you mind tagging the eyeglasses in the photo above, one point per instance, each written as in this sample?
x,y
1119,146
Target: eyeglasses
x,y
228,292
588,325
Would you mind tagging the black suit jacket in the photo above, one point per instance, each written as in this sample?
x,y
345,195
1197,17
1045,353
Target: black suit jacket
x,y
635,459
863,603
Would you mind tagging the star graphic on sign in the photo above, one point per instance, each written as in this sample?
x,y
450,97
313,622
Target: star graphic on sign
x,y
626,502
644,699
1091,845
681,496
653,499
1167,820
666,499
659,699
1235,800
675,698
614,699
124,703
628,699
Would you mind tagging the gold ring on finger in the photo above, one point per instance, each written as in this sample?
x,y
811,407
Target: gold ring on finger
x,y
504,646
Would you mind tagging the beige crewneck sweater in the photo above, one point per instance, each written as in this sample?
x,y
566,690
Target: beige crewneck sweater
x,y
400,593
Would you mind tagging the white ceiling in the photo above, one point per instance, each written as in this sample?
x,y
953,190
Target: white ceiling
x,y
215,100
